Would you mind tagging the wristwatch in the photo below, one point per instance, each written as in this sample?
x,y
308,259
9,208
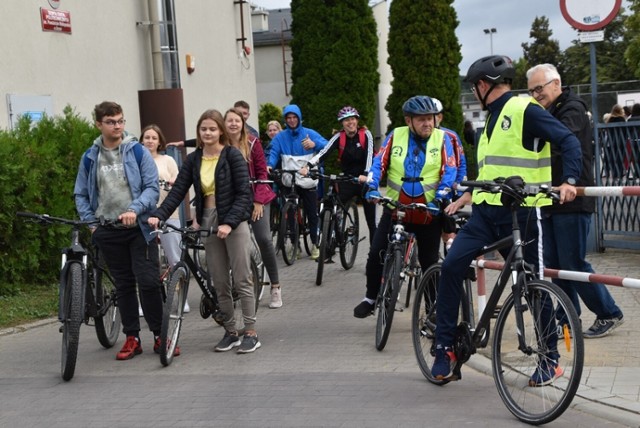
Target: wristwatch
x,y
570,180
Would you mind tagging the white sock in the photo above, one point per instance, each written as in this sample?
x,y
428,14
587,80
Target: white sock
x,y
369,301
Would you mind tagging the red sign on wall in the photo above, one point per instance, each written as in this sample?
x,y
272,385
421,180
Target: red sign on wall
x,y
55,20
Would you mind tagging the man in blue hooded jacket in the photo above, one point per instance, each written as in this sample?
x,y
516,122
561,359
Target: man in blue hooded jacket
x,y
294,147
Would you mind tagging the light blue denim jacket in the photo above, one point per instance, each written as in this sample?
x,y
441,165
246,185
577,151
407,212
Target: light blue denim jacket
x,y
142,179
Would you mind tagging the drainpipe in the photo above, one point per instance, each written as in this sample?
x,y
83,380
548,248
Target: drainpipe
x,y
156,49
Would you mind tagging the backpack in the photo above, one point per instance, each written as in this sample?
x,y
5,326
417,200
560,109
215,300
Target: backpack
x,y
137,151
362,136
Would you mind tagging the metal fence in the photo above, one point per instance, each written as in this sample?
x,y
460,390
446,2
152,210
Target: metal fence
x,y
617,156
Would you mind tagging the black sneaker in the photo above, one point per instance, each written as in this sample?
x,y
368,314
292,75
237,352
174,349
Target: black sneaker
x,y
363,310
601,328
228,342
249,344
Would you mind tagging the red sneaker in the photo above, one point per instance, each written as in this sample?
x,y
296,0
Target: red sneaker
x,y
156,348
130,349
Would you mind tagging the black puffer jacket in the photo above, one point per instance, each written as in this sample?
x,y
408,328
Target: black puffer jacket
x,y
572,112
234,197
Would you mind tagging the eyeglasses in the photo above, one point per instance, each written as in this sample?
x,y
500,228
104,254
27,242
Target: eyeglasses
x,y
539,88
119,122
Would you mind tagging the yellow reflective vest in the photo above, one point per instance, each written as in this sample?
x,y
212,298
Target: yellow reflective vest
x,y
503,155
430,170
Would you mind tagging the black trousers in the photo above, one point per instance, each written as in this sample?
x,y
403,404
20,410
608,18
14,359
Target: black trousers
x,y
132,260
428,237
347,191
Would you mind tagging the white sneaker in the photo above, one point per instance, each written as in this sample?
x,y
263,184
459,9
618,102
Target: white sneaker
x,y
186,306
315,252
276,298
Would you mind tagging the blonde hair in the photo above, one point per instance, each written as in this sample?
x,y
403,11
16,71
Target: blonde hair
x,y
216,116
274,123
243,143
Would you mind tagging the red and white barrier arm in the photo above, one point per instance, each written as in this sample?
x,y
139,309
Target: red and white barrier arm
x,y
617,281
609,191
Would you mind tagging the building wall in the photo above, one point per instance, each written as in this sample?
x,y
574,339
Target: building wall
x,y
270,75
381,15
108,57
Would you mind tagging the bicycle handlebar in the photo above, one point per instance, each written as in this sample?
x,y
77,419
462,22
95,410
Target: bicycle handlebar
x,y
512,186
47,219
385,200
163,227
336,178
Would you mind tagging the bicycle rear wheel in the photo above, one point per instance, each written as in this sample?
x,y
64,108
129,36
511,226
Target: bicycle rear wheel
x,y
325,244
172,314
72,311
423,322
388,296
349,234
289,233
107,320
513,368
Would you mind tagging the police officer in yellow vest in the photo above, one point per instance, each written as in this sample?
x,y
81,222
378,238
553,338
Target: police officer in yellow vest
x,y
419,162
515,141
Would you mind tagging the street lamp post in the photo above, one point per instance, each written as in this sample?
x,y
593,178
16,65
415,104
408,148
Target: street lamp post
x,y
490,32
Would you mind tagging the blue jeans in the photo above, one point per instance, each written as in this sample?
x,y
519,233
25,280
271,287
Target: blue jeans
x,y
565,247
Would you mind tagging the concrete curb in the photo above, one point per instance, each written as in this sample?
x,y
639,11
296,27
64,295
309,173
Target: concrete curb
x,y
624,412
29,326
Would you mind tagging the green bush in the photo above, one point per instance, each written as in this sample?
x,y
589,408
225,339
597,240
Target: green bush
x,y
39,163
268,112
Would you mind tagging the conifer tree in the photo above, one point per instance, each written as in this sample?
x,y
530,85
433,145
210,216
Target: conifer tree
x,y
335,60
424,55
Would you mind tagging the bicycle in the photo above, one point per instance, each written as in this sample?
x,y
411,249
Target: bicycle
x,y
86,291
293,221
339,225
524,322
191,263
397,267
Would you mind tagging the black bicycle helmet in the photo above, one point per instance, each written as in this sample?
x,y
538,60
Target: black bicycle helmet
x,y
494,69
420,104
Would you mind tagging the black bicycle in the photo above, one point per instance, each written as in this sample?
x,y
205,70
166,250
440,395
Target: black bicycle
x,y
524,324
191,263
293,221
398,263
340,226
87,291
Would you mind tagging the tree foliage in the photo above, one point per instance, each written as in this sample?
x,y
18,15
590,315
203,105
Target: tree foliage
x,y
424,55
610,64
335,60
632,39
543,49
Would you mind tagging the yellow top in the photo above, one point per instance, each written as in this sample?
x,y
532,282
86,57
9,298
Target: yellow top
x,y
207,175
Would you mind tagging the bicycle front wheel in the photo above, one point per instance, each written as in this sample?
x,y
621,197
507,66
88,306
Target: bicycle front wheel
x,y
423,322
388,296
325,246
172,314
107,319
538,383
72,311
349,234
289,233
